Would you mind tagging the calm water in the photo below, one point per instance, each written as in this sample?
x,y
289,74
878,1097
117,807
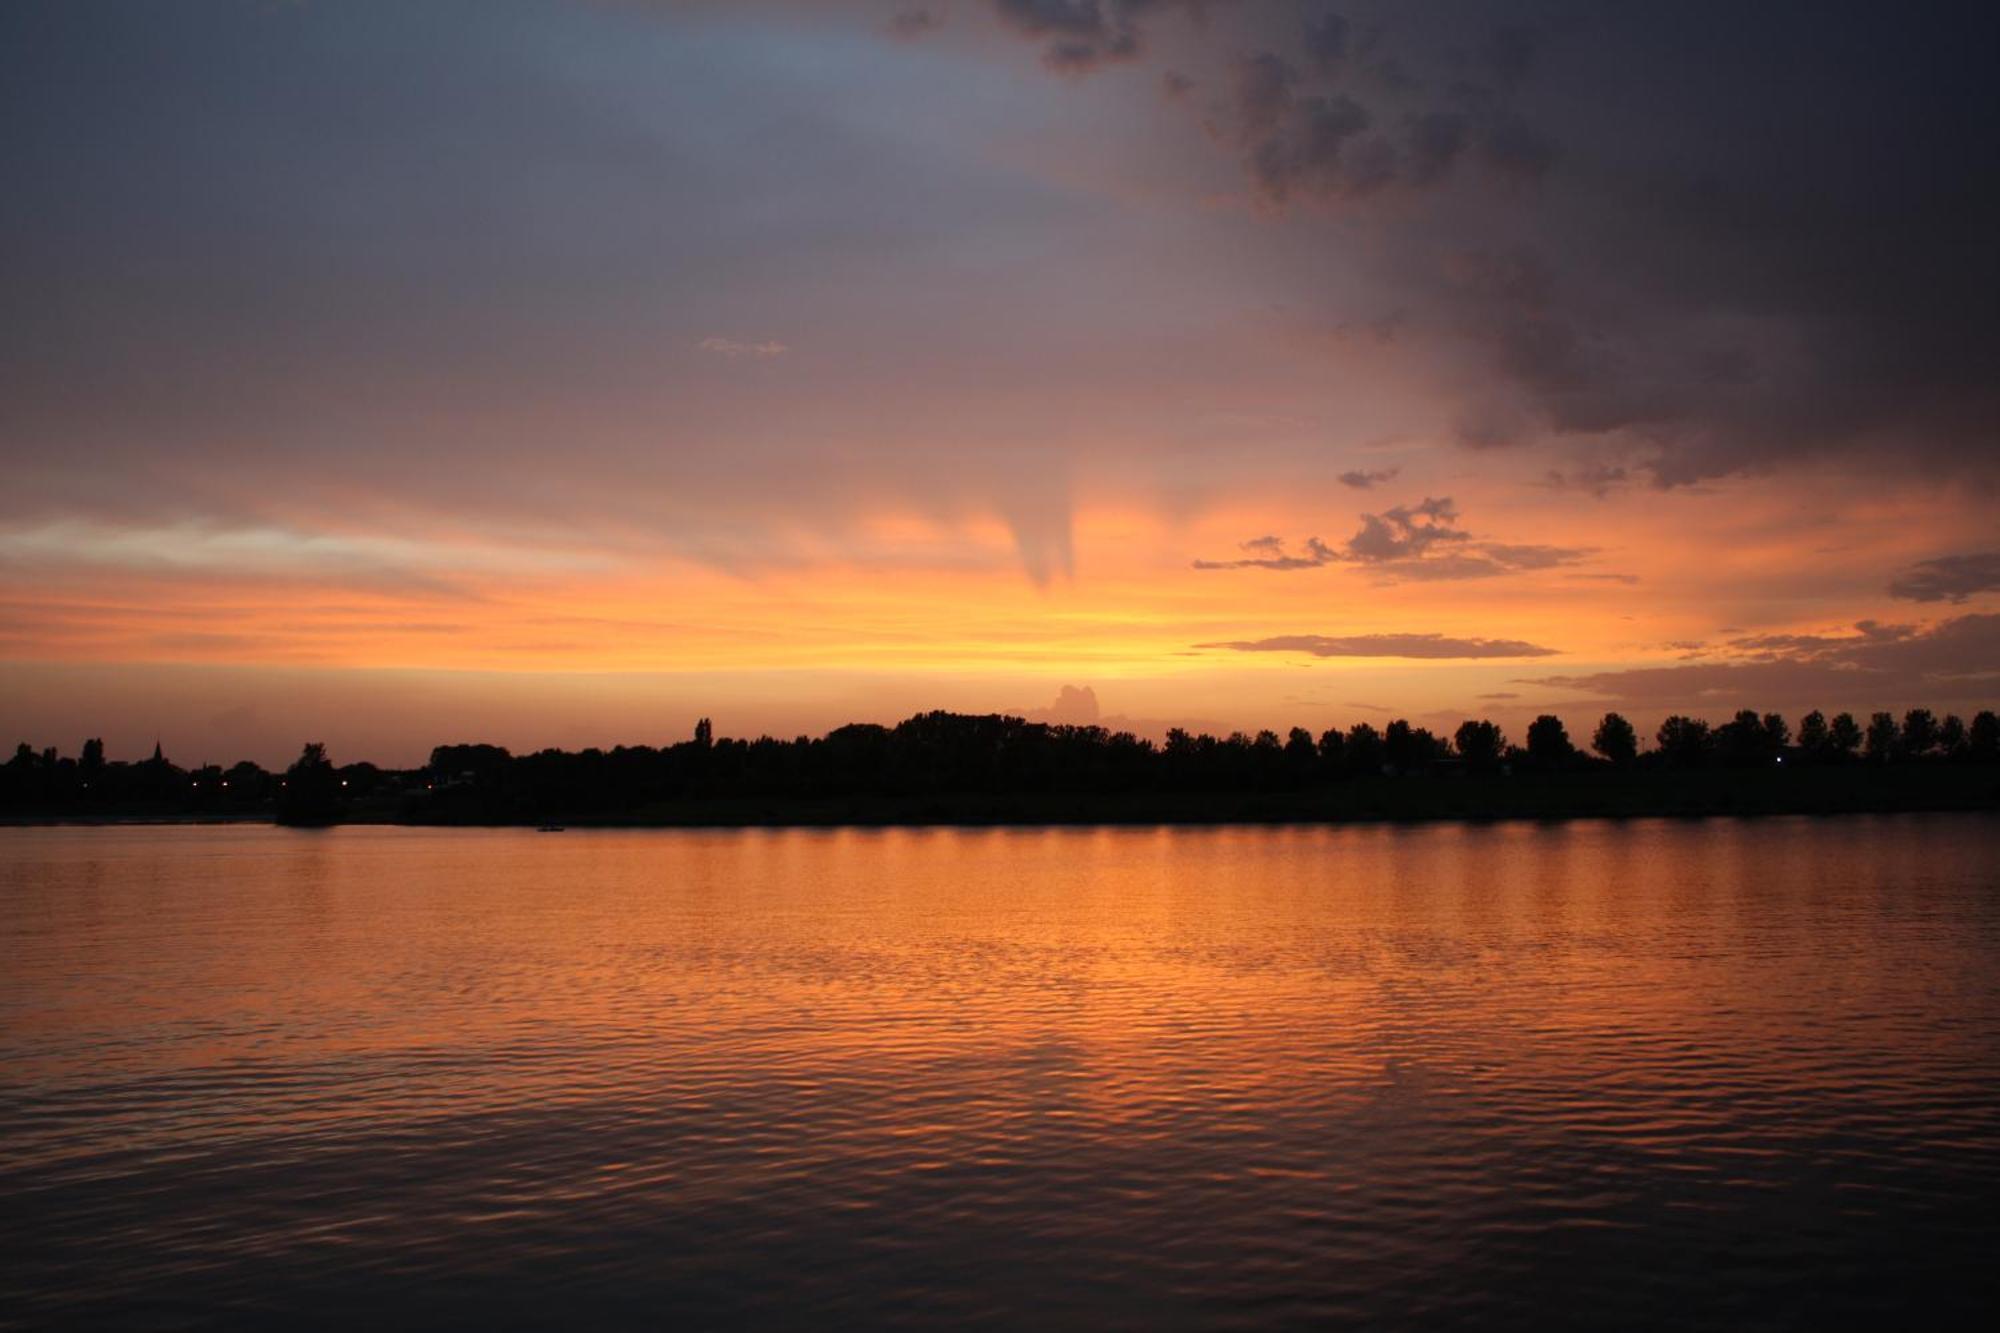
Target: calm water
x,y
1730,1073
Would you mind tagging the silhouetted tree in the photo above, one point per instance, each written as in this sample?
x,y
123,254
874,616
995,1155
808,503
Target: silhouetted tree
x,y
1920,732
92,759
311,794
1845,735
1982,738
1814,739
1741,740
1548,742
704,733
1407,749
1480,744
1301,757
1331,744
1616,740
1951,736
1882,737
452,762
247,782
1776,734
1363,749
1683,741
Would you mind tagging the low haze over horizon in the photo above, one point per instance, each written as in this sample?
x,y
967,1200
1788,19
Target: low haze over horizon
x,y
556,373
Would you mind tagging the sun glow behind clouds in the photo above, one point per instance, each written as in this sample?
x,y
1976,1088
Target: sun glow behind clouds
x,y
897,592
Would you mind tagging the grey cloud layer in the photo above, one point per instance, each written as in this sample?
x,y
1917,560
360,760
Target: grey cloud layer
x,y
251,286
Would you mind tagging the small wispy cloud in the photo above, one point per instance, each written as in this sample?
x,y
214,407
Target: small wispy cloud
x,y
1421,542
1361,480
734,348
1270,553
1949,578
1424,646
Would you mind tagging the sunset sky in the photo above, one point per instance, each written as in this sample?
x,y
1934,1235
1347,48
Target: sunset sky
x,y
556,373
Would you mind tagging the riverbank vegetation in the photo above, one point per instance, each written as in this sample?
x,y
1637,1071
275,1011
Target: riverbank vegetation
x,y
959,768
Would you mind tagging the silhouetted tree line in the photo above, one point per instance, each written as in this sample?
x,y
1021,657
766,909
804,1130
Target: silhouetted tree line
x,y
311,791
940,752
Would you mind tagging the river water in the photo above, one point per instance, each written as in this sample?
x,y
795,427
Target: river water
x,y
1723,1073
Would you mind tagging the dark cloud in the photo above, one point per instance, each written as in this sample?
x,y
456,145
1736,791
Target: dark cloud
x,y
1818,647
1593,479
1743,271
1387,645
1877,666
1312,126
1785,258
1423,542
1949,578
1420,542
1081,35
1362,481
1531,556
1406,531
1498,695
1294,144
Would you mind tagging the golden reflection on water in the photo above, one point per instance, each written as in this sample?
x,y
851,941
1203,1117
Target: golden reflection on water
x,y
1241,1050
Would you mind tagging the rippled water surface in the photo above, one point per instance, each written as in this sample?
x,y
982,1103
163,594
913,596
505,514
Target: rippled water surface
x,y
1734,1073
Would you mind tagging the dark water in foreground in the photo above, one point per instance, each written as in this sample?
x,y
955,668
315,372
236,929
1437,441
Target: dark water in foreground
x,y
1742,1073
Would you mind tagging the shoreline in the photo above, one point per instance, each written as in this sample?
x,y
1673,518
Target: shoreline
x,y
1388,801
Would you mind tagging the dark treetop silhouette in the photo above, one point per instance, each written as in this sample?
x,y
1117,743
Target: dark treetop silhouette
x,y
950,767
